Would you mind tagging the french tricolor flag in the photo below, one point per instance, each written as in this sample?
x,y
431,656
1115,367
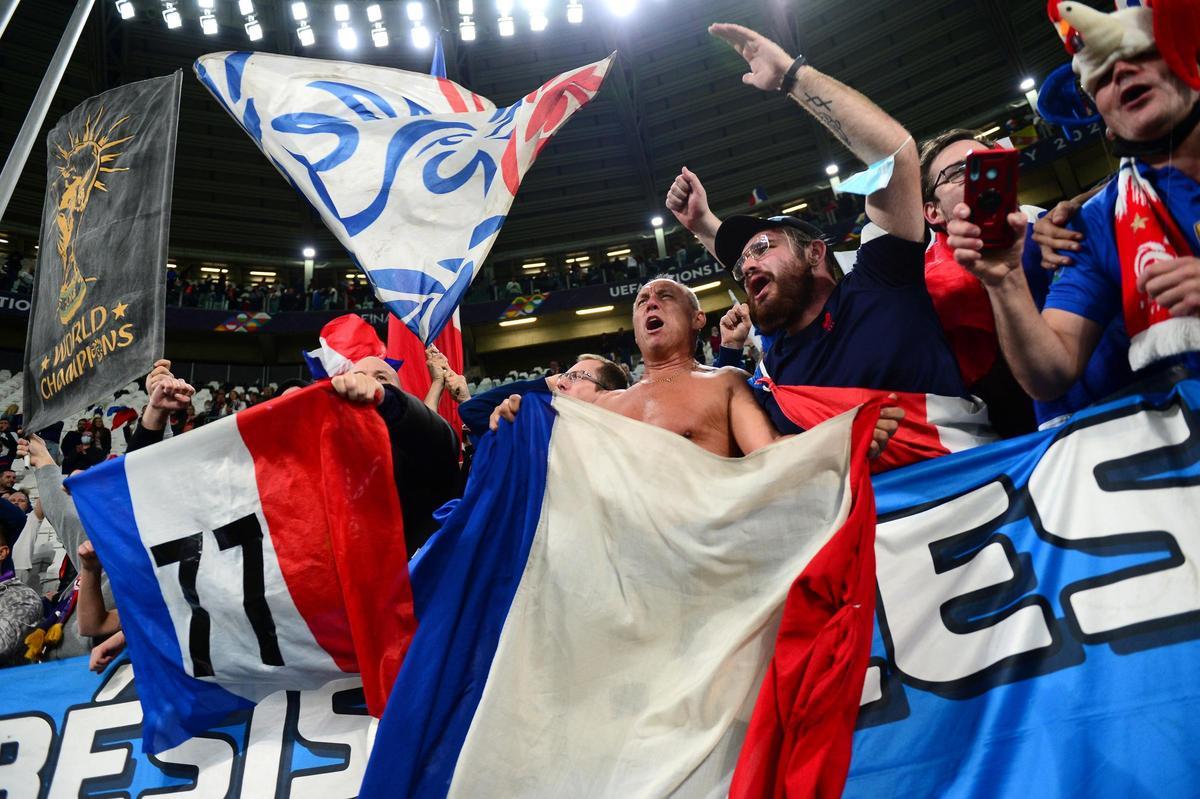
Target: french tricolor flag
x,y
244,564
758,196
596,622
933,425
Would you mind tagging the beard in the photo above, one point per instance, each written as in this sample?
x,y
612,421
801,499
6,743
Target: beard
x,y
794,289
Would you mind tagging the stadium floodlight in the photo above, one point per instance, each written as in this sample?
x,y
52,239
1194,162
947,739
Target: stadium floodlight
x,y
208,24
125,9
309,252
466,7
832,169
415,11
306,36
379,36
656,221
621,8
538,22
574,12
1028,84
341,12
299,12
246,7
206,5
466,30
505,7
347,38
420,37
506,26
374,13
171,16
254,29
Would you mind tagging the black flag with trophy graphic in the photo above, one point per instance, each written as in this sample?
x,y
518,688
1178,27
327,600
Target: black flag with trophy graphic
x,y
99,300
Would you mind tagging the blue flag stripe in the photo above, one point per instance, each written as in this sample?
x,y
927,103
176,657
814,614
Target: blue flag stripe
x,y
192,706
472,567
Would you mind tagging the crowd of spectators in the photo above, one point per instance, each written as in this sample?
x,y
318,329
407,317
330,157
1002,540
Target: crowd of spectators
x,y
897,322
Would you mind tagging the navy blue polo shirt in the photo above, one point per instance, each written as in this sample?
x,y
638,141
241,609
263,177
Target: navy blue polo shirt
x,y
877,330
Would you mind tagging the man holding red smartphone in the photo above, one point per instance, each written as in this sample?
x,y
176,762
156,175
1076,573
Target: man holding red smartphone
x,y
1138,258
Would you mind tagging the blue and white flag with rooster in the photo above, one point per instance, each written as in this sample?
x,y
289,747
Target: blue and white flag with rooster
x,y
413,173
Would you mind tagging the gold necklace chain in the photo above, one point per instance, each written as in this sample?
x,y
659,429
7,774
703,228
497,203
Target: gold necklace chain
x,y
673,374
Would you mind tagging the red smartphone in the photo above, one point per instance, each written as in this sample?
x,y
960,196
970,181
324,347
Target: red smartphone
x,y
990,191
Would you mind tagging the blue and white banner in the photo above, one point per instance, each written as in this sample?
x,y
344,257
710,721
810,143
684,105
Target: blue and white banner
x,y
413,173
65,732
1039,614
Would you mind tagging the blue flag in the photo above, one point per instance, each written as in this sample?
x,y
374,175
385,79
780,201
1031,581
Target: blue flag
x,y
1038,615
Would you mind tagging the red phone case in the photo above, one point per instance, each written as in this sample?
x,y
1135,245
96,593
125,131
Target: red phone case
x,y
990,191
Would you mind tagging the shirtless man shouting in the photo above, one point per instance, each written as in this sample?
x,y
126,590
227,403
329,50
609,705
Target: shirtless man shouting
x,y
713,408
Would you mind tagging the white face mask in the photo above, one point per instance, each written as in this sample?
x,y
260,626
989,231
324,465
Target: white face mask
x,y
86,439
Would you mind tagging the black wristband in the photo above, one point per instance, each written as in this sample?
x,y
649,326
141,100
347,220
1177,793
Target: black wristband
x,y
789,77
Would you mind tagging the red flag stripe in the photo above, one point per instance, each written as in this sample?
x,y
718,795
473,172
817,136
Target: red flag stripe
x,y
335,524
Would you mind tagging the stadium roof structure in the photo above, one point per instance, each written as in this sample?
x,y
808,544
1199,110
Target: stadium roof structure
x,y
675,97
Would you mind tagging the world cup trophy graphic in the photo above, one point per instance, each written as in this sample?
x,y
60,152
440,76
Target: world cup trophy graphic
x,y
79,170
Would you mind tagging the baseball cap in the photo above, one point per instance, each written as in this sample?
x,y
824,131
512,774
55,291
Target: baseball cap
x,y
737,230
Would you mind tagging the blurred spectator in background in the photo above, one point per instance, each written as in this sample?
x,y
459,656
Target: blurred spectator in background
x,y
101,435
20,608
72,439
8,444
8,479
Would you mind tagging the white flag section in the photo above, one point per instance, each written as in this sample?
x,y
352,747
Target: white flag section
x,y
631,656
413,173
648,683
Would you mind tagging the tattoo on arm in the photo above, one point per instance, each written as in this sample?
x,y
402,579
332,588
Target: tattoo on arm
x,y
821,109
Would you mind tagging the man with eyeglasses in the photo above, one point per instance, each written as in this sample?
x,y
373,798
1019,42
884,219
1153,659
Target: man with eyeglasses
x,y
875,328
962,303
590,376
1139,258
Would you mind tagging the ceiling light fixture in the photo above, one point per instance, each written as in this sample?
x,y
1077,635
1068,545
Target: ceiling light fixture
x,y
615,253
208,24
528,320
597,309
706,286
1028,84
246,7
299,12
420,37
374,13
656,221
574,12
832,169
306,36
309,252
798,207
466,7
171,16
125,9
415,11
621,8
507,26
253,28
466,30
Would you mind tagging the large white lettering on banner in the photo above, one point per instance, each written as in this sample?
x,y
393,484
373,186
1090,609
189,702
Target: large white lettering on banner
x,y
82,736
1041,590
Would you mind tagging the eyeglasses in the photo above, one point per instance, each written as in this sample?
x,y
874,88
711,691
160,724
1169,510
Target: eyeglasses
x,y
955,173
756,250
575,377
